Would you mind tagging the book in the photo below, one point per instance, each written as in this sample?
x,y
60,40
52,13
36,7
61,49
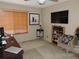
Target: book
x,y
13,49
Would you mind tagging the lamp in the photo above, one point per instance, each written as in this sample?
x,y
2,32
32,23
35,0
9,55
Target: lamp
x,y
41,2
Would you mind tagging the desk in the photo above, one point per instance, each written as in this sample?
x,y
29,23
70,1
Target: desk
x,y
11,41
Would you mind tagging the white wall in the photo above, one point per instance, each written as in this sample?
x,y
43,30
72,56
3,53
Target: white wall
x,y
72,6
31,28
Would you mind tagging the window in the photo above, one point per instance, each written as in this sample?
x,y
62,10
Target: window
x,y
14,22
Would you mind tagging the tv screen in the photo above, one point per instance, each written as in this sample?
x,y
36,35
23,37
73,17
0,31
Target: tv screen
x,y
60,17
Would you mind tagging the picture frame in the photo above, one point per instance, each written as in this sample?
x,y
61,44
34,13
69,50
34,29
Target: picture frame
x,y
34,18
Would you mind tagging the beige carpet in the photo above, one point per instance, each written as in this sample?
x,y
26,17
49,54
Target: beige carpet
x,y
40,49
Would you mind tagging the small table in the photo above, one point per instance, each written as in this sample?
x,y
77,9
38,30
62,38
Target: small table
x,y
40,33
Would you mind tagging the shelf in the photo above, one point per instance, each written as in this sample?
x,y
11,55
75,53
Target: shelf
x,y
55,40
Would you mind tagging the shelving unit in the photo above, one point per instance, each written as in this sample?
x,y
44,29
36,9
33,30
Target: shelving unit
x,y
57,31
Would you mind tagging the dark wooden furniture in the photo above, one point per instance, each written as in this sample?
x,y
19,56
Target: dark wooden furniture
x,y
40,34
11,41
57,31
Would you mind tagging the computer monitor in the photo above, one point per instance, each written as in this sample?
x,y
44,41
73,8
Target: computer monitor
x,y
1,31
1,35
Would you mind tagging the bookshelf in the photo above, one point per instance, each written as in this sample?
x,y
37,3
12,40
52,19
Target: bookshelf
x,y
57,31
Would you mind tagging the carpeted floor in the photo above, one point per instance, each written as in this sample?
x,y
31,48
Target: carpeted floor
x,y
40,49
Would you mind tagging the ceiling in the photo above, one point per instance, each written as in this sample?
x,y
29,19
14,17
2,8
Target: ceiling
x,y
32,3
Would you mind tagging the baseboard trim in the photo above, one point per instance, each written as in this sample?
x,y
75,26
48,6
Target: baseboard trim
x,y
26,41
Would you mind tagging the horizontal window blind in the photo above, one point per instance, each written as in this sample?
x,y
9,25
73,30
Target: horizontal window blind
x,y
14,22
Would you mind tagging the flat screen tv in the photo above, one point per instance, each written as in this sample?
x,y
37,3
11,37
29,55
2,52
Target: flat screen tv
x,y
60,17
